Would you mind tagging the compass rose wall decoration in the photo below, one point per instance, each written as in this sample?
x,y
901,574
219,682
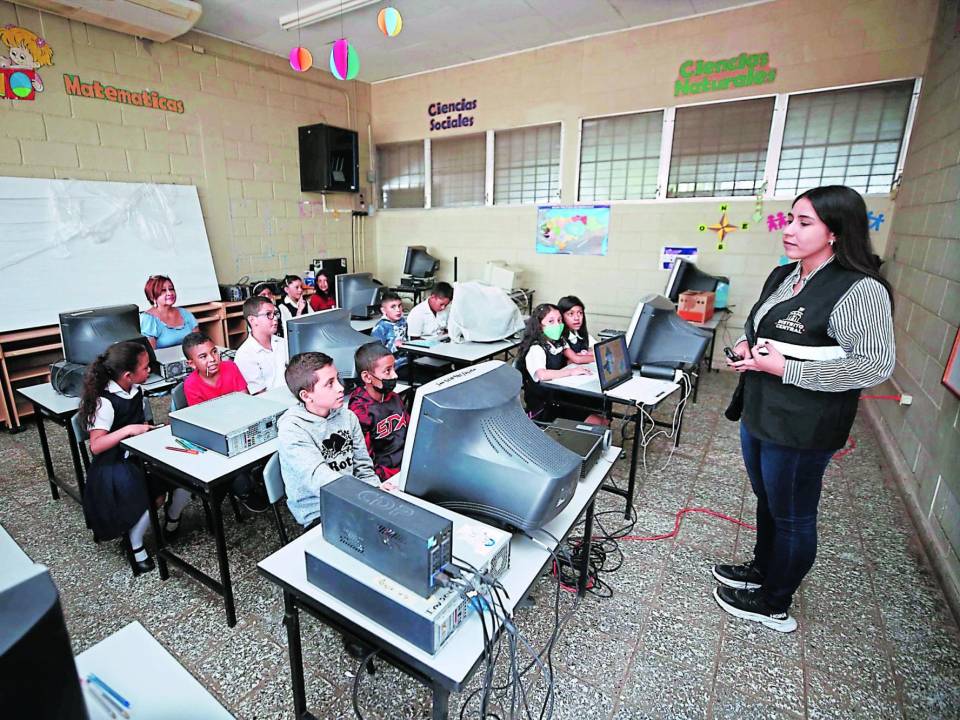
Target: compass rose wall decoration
x,y
724,227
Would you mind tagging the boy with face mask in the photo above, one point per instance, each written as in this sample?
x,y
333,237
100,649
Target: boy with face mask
x,y
383,418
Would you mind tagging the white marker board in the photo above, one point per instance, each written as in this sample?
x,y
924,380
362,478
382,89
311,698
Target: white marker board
x,y
73,244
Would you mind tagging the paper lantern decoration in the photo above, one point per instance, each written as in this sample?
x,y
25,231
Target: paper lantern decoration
x,y
344,61
301,59
390,21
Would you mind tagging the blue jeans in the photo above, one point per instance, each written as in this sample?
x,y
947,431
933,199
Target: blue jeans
x,y
787,484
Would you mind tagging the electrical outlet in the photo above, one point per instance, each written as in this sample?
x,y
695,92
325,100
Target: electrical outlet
x,y
906,399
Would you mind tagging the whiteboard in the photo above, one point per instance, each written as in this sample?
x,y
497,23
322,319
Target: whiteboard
x,y
73,244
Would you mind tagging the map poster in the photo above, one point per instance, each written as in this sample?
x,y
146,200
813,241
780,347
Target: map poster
x,y
573,229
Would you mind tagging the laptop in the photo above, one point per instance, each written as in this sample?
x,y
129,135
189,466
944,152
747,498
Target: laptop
x,y
616,375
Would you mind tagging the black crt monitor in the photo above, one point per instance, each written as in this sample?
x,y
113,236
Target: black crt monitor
x,y
88,333
471,448
659,341
357,293
38,676
685,275
419,263
328,332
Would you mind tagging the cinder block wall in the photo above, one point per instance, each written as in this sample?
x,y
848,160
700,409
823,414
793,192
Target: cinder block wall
x,y
923,264
236,139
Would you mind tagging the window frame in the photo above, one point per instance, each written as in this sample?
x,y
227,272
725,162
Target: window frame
x,y
560,159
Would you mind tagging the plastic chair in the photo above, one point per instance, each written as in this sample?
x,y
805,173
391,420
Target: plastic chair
x,y
178,398
276,493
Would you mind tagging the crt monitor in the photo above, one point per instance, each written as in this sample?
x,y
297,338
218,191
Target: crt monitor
x,y
357,292
471,448
419,263
328,332
660,341
88,333
685,275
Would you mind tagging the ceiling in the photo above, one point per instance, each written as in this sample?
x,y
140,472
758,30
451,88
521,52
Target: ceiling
x,y
441,33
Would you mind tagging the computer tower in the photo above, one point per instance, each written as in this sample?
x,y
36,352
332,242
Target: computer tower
x,y
329,159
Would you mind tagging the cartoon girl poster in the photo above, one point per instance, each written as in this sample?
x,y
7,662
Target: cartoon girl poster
x,y
27,51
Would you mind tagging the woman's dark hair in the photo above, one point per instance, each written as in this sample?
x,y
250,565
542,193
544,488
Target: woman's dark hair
x,y
111,365
326,295
533,332
844,212
569,302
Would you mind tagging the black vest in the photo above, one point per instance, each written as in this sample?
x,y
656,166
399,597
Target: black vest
x,y
582,343
786,414
125,412
534,396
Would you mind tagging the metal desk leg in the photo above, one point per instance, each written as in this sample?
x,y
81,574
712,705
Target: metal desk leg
x,y
162,568
216,510
713,342
45,449
291,618
634,453
585,551
75,456
441,702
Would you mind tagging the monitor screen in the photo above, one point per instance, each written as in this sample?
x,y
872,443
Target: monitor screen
x,y
419,263
613,362
328,332
359,293
685,275
88,333
471,448
659,340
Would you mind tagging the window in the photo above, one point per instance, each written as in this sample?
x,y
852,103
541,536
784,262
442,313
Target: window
x,y
720,149
527,165
457,169
619,157
400,167
844,137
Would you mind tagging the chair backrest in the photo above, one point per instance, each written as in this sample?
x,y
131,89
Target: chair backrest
x,y
79,428
178,398
273,481
147,410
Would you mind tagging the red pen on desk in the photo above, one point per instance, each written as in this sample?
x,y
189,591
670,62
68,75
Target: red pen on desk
x,y
183,450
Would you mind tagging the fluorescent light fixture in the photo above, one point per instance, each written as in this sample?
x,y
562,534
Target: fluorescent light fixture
x,y
318,12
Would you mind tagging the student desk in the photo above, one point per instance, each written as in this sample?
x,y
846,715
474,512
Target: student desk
x,y
651,394
158,687
49,404
719,317
459,354
451,668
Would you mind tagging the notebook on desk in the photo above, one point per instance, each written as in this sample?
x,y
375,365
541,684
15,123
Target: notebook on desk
x,y
616,375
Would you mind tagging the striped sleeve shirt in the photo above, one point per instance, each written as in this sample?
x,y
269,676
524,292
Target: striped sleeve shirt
x,y
862,324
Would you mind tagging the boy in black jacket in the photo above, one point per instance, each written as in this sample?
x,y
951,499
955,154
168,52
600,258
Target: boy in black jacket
x,y
383,417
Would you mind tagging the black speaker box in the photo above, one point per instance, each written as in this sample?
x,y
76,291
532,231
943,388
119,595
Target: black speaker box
x,y
329,159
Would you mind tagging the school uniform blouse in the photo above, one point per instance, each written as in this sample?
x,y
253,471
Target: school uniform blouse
x,y
165,335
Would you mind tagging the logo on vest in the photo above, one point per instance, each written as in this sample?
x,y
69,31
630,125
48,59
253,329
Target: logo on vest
x,y
791,323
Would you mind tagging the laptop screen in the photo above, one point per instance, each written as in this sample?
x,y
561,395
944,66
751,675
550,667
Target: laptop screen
x,y
613,364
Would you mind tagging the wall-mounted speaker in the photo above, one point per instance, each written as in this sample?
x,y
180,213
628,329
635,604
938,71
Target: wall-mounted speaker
x,y
329,159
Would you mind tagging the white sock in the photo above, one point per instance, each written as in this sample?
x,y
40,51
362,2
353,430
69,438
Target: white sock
x,y
179,501
136,536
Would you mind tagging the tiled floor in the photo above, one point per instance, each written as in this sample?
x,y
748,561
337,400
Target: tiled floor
x,y
876,639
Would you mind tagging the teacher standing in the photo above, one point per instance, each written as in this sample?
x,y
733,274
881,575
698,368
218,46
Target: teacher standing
x,y
821,331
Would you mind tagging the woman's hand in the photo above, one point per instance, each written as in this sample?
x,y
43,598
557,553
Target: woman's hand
x,y
770,360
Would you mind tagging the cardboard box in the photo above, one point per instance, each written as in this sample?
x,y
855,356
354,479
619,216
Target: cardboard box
x,y
696,305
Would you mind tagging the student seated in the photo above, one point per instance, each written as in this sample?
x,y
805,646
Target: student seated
x,y
116,498
429,318
383,417
262,357
319,439
269,291
392,328
540,358
579,342
293,304
322,299
164,325
211,378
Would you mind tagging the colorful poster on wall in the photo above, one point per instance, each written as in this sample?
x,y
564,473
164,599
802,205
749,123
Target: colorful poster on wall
x,y
573,229
669,254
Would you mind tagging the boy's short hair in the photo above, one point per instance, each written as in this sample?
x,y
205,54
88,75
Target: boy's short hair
x,y
388,296
301,373
444,290
193,340
368,355
251,306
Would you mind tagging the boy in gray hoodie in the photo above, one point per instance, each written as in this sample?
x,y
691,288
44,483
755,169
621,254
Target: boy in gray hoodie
x,y
320,439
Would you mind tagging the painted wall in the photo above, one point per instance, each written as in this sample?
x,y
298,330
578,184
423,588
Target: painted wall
x,y
236,140
812,44
924,267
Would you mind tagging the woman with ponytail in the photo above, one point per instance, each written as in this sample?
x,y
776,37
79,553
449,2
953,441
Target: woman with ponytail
x,y
115,500
821,331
